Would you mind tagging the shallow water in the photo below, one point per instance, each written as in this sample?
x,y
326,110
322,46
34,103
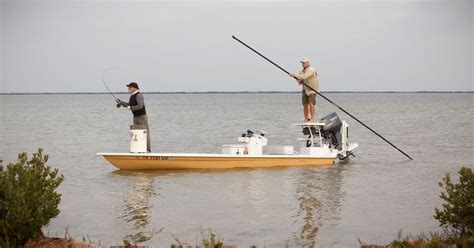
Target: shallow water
x,y
371,197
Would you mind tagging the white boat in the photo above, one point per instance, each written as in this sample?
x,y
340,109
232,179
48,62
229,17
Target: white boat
x,y
324,142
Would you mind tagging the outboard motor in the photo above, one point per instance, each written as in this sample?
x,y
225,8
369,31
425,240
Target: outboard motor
x,y
332,129
332,133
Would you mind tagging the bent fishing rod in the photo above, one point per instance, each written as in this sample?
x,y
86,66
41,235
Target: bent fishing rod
x,y
103,81
327,99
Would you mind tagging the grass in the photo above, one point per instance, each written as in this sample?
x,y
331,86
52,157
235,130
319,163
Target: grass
x,y
208,240
432,240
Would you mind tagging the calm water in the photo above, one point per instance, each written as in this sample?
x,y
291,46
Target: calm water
x,y
372,197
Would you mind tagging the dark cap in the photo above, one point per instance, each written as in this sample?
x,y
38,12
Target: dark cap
x,y
133,84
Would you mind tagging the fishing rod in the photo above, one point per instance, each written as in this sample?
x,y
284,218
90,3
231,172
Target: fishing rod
x,y
327,99
103,80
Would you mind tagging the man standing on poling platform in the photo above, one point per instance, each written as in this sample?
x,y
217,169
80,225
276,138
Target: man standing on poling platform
x,y
137,105
308,77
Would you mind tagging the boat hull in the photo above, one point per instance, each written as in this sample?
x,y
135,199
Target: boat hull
x,y
156,161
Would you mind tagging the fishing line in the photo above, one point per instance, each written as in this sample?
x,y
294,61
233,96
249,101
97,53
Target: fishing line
x,y
105,84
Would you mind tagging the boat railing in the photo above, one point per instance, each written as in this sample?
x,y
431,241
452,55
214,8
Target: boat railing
x,y
312,134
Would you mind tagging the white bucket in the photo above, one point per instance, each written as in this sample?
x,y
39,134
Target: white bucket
x,y
138,138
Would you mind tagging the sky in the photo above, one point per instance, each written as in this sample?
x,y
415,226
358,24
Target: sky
x,y
166,46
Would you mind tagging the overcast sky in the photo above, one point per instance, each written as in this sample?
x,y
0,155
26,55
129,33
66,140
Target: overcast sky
x,y
63,46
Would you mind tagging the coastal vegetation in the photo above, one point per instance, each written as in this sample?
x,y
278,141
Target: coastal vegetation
x,y
208,240
28,198
456,217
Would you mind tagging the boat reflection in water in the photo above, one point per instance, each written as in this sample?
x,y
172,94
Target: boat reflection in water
x,y
314,192
137,204
319,195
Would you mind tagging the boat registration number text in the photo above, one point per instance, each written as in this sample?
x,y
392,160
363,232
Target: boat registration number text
x,y
157,158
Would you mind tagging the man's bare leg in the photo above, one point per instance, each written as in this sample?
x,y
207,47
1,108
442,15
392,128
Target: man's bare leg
x,y
305,111
312,110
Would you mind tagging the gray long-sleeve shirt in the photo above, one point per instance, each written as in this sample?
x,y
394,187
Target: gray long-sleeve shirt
x,y
140,102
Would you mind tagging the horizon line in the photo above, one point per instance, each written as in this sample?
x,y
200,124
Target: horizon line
x,y
222,92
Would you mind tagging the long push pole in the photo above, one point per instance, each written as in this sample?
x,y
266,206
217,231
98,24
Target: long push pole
x,y
327,99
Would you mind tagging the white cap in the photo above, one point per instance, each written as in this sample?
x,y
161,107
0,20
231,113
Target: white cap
x,y
304,60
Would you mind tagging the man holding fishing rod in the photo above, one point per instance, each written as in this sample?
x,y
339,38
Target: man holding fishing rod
x,y
307,76
137,105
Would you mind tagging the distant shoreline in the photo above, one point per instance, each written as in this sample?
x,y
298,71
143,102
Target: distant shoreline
x,y
231,92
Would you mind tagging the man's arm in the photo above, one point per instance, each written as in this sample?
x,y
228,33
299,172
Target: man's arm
x,y
125,104
305,75
140,103
121,103
293,75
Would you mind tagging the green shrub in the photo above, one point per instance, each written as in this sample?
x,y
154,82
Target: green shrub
x,y
457,215
27,198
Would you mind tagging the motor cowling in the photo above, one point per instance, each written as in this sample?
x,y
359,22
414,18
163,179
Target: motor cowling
x,y
332,129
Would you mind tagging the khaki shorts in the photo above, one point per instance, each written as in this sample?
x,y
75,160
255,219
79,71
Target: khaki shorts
x,y
308,99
